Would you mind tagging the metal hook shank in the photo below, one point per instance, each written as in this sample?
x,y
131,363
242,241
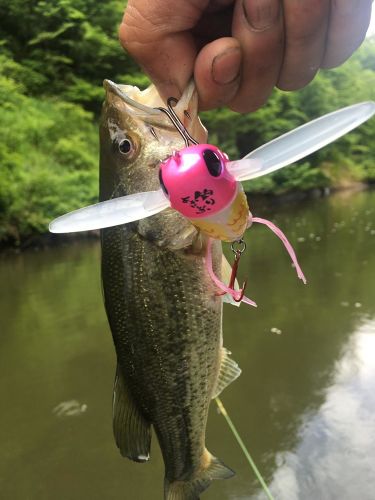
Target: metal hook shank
x,y
170,112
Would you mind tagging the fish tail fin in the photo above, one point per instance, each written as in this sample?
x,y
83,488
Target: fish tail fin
x,y
212,468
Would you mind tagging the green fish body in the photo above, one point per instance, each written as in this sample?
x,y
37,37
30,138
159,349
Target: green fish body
x,y
163,310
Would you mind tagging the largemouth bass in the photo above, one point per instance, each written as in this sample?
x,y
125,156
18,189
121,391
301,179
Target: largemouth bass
x,y
160,271
163,309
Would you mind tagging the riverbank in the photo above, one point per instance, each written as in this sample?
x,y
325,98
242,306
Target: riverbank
x,y
257,202
300,196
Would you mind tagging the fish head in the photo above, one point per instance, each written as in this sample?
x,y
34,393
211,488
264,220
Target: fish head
x,y
135,137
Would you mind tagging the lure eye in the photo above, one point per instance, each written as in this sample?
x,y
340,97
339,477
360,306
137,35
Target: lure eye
x,y
125,147
213,162
162,185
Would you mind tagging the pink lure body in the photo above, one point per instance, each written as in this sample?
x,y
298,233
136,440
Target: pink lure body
x,y
199,186
196,181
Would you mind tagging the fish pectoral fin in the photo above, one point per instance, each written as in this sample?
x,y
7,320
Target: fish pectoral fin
x,y
132,431
226,271
211,469
229,371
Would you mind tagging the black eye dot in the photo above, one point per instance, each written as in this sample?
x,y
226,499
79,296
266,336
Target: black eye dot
x,y
165,190
125,147
213,162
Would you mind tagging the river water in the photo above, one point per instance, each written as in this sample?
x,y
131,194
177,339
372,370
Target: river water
x,y
304,404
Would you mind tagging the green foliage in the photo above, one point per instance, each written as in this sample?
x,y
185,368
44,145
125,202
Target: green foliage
x,y
65,47
54,56
48,161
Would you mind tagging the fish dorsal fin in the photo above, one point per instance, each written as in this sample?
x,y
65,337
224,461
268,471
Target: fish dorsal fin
x,y
132,431
212,468
226,272
229,371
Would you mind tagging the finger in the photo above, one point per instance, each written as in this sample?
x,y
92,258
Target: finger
x,y
212,26
258,26
217,72
306,25
348,25
218,5
157,34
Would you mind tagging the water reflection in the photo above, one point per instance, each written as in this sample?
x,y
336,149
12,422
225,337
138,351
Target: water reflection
x,y
336,454
303,403
70,408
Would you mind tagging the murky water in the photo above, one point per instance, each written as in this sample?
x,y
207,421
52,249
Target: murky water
x,y
304,404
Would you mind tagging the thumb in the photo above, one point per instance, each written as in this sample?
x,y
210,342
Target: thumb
x,y
157,34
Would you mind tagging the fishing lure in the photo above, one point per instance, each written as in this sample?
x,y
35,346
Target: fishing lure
x,y
201,183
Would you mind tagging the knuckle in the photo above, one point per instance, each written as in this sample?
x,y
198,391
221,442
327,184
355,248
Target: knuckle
x,y
304,25
347,8
302,37
295,82
141,26
340,52
247,105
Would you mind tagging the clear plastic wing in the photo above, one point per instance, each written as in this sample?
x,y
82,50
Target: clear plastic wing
x,y
300,142
111,212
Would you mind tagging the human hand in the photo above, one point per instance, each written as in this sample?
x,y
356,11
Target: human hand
x,y
239,50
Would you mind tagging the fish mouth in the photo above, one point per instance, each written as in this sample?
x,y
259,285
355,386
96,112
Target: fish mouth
x,y
126,91
145,104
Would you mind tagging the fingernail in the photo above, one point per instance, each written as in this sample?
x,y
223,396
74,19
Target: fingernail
x,y
261,14
226,66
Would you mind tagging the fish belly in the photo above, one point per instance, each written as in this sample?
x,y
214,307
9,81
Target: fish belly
x,y
166,324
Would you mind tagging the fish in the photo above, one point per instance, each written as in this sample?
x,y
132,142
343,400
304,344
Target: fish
x,y
162,266
163,309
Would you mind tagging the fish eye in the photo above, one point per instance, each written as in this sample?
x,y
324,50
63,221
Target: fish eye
x,y
213,162
125,147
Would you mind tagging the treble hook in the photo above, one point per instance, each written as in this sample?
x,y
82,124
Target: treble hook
x,y
237,256
170,112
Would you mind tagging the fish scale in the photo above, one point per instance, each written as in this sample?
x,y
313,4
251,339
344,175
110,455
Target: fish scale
x,y
157,343
162,306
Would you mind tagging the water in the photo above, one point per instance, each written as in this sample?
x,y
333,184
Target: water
x,y
304,403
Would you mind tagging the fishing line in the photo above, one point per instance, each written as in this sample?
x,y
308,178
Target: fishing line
x,y
232,427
